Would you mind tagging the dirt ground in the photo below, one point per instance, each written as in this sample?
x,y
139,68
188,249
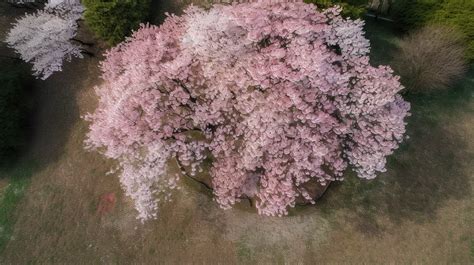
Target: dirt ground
x,y
58,221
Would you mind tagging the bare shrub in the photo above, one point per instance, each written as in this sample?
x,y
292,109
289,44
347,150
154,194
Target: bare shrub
x,y
431,58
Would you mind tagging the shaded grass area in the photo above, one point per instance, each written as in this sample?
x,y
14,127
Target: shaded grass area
x,y
383,38
18,104
17,180
428,168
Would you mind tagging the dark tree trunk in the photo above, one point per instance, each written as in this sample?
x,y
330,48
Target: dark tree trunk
x,y
86,52
30,6
90,44
10,57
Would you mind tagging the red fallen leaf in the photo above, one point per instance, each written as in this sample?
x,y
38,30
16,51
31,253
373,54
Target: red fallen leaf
x,y
106,203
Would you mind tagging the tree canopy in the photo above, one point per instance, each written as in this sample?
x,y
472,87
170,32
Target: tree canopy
x,y
45,38
281,94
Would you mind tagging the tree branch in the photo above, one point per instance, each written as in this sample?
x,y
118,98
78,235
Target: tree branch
x,y
321,195
90,44
182,130
205,184
10,57
193,99
193,178
87,53
20,6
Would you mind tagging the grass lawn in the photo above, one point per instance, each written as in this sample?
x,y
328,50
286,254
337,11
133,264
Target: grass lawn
x,y
419,211
12,190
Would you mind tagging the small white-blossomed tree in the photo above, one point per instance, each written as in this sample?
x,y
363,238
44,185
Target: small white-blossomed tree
x,y
58,2
46,37
30,4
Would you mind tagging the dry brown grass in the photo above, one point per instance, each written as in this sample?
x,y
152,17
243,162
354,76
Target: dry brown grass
x,y
431,58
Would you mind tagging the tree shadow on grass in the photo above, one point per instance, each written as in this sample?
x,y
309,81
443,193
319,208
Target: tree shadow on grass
x,y
56,110
55,115
427,170
383,40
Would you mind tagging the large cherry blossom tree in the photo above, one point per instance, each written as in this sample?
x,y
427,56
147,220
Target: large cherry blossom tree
x,y
46,37
274,94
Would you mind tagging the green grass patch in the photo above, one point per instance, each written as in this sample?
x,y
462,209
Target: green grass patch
x,y
411,14
18,180
245,253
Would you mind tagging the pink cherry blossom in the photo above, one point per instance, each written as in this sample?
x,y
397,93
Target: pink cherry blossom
x,y
275,94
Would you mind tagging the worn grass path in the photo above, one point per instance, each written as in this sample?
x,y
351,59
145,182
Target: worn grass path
x,y
420,211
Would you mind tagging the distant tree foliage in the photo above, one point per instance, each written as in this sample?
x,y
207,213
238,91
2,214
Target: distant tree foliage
x,y
113,20
13,106
431,58
457,13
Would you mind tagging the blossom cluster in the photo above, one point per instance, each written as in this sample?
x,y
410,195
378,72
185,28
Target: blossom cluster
x,y
279,93
44,38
